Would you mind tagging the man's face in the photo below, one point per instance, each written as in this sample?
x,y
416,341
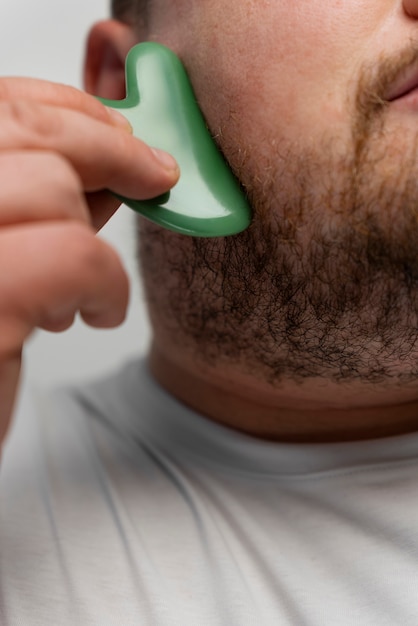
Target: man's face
x,y
304,99
287,74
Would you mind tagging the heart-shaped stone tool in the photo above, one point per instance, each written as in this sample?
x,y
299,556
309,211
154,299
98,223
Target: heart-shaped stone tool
x,y
160,105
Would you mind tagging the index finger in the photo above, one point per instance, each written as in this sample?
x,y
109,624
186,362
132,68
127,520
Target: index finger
x,y
56,94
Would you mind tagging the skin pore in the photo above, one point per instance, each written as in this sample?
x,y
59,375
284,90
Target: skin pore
x,y
304,327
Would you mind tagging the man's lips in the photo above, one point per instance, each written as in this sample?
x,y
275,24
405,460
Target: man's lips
x,y
406,84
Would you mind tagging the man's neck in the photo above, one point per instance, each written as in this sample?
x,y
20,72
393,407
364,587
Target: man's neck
x,y
310,412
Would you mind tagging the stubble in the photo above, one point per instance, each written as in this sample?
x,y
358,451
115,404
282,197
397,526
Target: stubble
x,y
325,281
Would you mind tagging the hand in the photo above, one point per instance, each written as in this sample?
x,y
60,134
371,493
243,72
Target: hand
x,y
59,150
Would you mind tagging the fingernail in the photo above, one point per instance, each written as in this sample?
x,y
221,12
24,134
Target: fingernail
x,y
166,160
120,120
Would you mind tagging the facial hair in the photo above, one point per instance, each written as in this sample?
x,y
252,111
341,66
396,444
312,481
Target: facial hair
x,y
325,281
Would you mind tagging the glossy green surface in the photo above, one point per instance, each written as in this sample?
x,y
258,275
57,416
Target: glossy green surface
x,y
161,107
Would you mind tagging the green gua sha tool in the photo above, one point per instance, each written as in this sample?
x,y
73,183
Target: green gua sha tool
x,y
160,105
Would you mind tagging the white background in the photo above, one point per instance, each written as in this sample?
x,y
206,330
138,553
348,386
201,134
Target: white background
x,y
45,39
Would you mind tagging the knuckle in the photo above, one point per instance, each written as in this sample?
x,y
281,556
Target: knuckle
x,y
125,155
9,87
39,185
65,189
28,117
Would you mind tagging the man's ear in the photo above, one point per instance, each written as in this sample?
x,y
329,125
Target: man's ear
x,y
108,44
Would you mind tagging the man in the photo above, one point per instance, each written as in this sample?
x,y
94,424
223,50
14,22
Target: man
x,y
276,481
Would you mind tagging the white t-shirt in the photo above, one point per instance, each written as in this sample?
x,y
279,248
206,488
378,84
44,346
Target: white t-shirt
x,y
121,507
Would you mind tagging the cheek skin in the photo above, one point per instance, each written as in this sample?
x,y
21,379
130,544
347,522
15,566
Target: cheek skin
x,y
271,62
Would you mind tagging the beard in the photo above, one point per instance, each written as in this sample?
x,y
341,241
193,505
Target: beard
x,y
324,283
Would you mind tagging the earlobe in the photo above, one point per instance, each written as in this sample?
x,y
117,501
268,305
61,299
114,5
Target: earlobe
x,y
108,44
